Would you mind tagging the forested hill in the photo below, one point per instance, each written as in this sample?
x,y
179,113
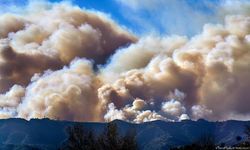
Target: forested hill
x,y
50,134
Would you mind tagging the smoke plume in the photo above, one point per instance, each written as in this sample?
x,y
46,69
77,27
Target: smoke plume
x,y
67,63
51,38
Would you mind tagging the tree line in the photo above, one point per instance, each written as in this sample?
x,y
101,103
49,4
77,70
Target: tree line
x,y
79,138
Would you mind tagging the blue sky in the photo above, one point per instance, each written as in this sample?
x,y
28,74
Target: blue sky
x,y
164,17
149,23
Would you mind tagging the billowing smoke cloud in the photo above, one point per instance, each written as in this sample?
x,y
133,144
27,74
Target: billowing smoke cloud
x,y
50,67
212,70
51,38
68,94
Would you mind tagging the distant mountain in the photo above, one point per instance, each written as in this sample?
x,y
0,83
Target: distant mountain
x,y
48,134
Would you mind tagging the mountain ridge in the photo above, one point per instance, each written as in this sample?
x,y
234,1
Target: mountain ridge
x,y
49,134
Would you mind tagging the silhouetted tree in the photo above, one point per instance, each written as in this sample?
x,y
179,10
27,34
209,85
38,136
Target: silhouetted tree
x,y
129,140
79,139
91,142
109,139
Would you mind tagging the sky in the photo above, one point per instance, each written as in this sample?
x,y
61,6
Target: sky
x,y
164,17
135,60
